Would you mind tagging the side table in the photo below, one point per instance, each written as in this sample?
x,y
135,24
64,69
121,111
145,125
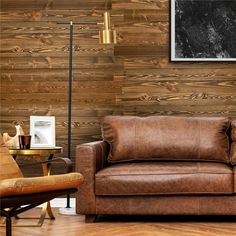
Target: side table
x,y
45,155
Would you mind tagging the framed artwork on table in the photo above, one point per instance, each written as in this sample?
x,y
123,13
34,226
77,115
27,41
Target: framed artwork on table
x,y
202,30
42,131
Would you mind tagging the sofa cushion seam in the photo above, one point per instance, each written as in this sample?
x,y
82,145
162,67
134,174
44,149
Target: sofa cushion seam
x,y
98,176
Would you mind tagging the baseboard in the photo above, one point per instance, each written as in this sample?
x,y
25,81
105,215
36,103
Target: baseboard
x,y
61,202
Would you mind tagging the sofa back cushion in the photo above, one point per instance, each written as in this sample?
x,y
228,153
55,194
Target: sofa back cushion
x,y
166,138
233,144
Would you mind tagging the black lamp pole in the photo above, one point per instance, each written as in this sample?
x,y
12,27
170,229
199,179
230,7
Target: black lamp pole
x,y
70,89
70,100
70,93
106,36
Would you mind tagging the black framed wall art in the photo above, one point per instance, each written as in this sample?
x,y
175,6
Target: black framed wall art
x,y
203,30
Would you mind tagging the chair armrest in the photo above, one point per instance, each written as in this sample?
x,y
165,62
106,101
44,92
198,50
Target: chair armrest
x,y
90,158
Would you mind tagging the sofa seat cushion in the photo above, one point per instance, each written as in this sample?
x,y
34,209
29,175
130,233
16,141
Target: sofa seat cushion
x,y
154,178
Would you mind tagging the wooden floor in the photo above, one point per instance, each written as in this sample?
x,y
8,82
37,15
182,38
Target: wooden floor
x,y
129,226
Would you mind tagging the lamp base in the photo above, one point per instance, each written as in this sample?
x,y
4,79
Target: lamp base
x,y
70,211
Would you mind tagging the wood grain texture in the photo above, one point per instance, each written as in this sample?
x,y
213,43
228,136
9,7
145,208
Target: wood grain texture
x,y
133,77
128,226
57,4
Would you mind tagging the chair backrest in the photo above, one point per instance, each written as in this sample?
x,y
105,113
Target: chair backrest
x,y
8,167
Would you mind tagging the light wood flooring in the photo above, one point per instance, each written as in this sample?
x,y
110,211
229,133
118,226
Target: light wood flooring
x,y
129,226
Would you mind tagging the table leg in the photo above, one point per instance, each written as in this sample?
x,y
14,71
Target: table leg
x,y
43,214
46,166
46,172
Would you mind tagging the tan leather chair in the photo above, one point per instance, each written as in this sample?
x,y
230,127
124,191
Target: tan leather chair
x,y
17,191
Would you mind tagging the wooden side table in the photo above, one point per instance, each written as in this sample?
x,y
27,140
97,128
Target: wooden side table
x,y
45,155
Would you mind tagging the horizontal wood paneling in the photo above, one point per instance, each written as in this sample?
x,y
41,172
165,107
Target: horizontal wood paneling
x,y
57,4
53,16
133,77
55,62
141,4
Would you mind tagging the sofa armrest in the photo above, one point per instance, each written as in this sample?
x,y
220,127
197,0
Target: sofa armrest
x,y
66,161
90,158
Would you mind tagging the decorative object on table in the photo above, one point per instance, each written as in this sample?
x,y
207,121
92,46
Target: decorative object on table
x,y
203,30
106,36
42,131
24,141
13,141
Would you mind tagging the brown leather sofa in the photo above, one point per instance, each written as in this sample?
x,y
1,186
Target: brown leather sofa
x,y
159,165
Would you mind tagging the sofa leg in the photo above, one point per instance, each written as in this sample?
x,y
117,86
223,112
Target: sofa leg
x,y
90,218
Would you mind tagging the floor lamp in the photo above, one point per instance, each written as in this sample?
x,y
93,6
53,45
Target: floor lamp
x,y
107,35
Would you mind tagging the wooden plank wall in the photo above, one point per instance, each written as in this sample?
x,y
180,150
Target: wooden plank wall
x,y
133,77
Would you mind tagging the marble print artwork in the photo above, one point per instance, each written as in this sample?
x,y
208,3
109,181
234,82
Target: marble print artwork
x,y
204,29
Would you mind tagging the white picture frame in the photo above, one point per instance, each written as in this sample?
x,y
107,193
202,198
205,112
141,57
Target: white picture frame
x,y
42,131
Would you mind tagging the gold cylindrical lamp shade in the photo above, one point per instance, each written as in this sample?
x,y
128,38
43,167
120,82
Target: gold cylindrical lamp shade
x,y
107,35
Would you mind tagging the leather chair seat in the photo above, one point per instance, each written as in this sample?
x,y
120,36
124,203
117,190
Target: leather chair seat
x,y
164,178
20,186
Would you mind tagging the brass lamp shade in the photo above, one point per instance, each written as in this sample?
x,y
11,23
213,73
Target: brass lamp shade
x,y
107,35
